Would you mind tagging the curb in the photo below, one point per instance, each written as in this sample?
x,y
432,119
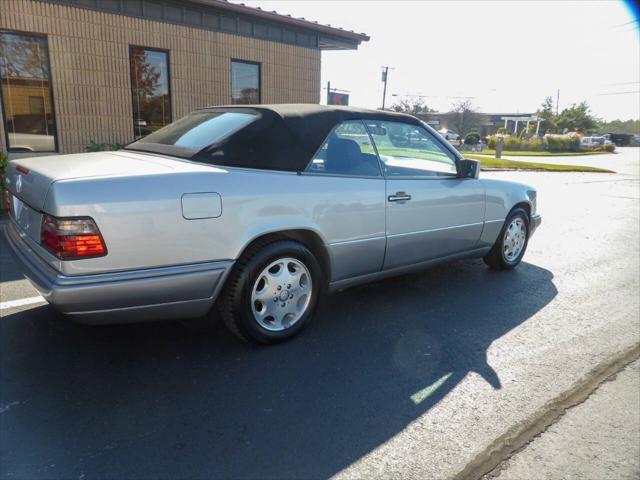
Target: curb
x,y
518,436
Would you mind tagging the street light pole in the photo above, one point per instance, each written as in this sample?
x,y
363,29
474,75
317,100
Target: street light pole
x,y
385,73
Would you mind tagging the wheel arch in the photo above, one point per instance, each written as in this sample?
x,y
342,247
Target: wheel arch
x,y
307,237
526,206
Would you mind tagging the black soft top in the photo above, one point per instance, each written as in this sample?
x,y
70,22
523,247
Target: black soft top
x,y
283,137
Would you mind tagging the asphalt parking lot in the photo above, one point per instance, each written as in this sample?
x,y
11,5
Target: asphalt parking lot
x,y
411,377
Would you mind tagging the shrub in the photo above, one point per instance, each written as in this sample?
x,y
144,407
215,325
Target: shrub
x,y
535,144
502,131
472,138
103,147
512,143
563,143
601,148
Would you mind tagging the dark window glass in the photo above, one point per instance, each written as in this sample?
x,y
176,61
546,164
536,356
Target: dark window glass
x,y
198,130
193,17
26,93
133,7
110,4
150,91
347,150
229,24
153,9
173,13
275,33
289,36
245,82
410,151
211,20
260,30
245,27
305,40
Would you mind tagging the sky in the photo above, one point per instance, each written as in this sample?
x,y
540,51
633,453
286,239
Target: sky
x,y
507,55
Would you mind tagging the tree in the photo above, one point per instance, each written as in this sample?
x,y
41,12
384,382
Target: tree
x,y
412,105
577,118
463,116
546,113
631,127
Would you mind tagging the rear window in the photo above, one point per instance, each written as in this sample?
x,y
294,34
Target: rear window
x,y
195,131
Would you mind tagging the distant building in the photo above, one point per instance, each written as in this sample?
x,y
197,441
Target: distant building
x,y
485,124
76,71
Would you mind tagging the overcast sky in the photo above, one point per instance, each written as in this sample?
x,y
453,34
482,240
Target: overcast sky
x,y
508,56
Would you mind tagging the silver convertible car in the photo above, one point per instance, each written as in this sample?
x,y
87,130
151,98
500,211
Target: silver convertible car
x,y
257,210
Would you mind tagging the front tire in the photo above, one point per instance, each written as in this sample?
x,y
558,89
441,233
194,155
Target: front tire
x,y
272,292
509,248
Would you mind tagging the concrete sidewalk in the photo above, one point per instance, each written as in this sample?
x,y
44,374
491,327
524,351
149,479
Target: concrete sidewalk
x,y
597,439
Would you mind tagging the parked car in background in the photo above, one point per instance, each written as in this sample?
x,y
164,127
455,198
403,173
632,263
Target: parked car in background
x,y
449,135
594,141
258,210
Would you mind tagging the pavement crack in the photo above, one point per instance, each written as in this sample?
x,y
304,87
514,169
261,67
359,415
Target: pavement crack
x,y
516,438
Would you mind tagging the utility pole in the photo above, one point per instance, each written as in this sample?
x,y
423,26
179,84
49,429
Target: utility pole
x,y
328,92
385,74
557,102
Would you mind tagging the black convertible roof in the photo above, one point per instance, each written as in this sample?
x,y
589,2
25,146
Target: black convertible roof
x,y
284,136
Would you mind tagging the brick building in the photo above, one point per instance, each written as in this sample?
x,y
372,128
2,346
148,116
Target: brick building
x,y
76,71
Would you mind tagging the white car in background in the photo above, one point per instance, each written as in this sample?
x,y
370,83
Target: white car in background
x,y
449,135
594,141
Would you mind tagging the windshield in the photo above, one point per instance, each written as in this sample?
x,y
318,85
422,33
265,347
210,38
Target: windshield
x,y
194,132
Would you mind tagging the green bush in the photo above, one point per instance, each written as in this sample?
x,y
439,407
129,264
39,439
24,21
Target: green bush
x,y
554,143
535,144
472,138
601,148
512,143
103,147
563,143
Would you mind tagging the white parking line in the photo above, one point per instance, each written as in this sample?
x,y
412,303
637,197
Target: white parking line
x,y
21,302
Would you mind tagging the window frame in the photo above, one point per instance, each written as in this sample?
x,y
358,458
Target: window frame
x,y
455,157
246,62
344,175
169,86
3,112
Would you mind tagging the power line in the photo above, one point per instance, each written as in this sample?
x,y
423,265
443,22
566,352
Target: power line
x,y
621,83
618,93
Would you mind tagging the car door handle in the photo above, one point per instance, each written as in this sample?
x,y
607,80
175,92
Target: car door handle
x,y
399,197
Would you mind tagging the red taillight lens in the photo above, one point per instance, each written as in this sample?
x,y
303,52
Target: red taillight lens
x,y
69,238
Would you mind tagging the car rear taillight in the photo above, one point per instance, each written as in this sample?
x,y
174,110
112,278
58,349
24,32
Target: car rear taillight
x,y
69,238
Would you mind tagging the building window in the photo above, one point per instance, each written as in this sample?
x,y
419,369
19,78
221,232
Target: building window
x,y
150,90
27,103
245,82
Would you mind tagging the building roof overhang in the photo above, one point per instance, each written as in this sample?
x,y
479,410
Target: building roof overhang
x,y
330,37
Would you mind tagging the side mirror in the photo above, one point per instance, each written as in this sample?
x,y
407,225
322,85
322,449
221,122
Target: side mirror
x,y
468,168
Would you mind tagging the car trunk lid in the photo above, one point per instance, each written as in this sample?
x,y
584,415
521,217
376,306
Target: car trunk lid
x,y
29,179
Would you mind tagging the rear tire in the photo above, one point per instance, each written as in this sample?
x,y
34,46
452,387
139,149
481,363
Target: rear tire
x,y
272,292
511,244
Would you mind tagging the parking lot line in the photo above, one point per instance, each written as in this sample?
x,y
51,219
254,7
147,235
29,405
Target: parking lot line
x,y
21,302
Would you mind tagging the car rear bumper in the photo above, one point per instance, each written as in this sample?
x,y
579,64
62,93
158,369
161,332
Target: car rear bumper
x,y
182,291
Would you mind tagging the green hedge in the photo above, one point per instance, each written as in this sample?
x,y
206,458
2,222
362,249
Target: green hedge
x,y
553,143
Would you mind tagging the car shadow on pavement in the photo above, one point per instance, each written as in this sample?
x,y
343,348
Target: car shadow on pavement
x,y
186,400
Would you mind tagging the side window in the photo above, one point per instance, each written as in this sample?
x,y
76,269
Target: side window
x,y
347,151
409,150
